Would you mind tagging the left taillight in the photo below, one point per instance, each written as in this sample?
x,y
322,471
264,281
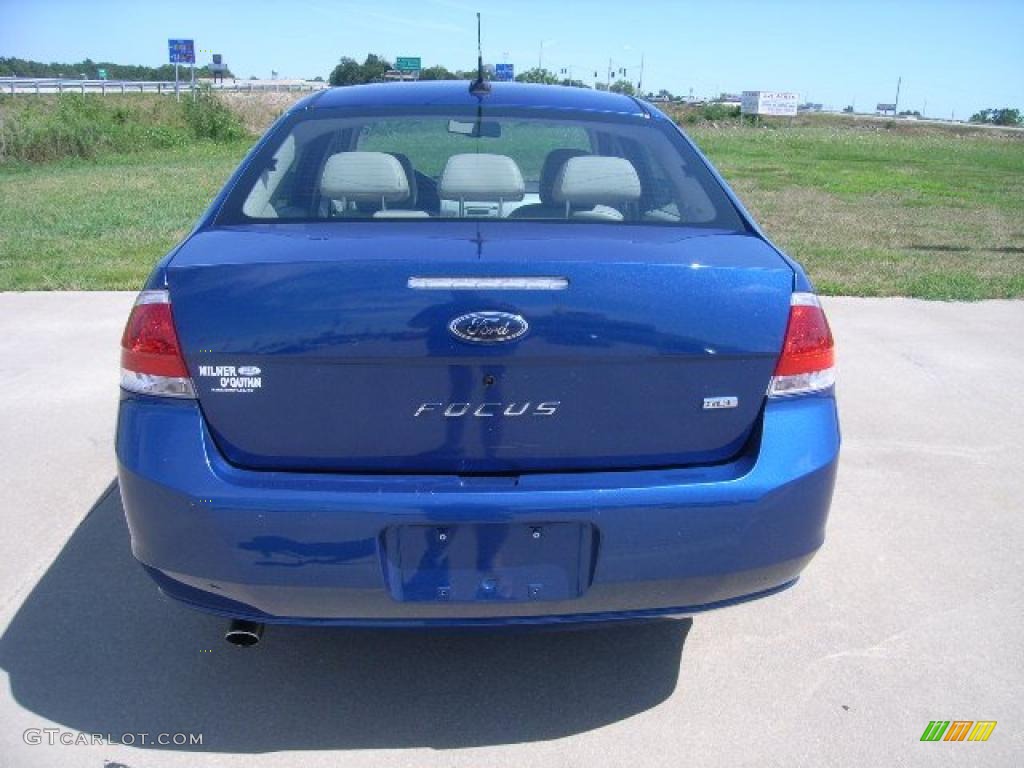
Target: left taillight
x,y
151,359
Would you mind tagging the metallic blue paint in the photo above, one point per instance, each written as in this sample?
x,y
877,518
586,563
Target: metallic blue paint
x,y
313,547
730,520
449,93
347,350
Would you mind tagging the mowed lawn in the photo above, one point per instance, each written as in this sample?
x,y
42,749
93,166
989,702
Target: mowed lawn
x,y
102,224
874,212
869,211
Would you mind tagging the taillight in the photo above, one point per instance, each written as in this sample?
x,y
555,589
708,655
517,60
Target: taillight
x,y
151,360
808,353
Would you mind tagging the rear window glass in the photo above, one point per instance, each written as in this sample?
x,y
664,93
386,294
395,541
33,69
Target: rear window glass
x,y
321,165
429,143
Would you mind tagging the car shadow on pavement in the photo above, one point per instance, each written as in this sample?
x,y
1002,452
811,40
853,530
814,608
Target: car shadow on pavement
x,y
96,648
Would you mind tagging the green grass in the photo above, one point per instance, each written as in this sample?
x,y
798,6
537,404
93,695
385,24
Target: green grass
x,y
48,128
913,211
102,224
871,212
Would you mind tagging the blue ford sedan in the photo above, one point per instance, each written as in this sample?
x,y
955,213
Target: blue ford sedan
x,y
445,356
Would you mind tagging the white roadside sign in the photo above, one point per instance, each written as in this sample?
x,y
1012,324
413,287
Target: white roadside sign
x,y
777,103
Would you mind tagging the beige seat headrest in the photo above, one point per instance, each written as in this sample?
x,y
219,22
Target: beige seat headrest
x,y
596,180
364,177
481,177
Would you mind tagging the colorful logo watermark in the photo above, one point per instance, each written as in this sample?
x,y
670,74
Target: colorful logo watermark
x,y
958,730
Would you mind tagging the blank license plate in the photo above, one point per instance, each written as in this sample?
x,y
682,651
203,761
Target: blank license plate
x,y
489,561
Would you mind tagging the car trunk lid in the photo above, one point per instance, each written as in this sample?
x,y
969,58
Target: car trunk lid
x,y
318,348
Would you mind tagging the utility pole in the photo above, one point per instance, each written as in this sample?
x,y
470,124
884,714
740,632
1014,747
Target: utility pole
x,y
897,104
608,82
640,84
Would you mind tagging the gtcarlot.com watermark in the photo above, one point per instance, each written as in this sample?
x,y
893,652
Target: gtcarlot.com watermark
x,y
55,736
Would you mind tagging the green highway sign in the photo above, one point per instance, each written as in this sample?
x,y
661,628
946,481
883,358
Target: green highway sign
x,y
408,64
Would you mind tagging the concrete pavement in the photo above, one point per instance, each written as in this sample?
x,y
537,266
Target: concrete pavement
x,y
912,612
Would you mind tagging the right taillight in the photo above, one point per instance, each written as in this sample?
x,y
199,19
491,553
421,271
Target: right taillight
x,y
151,359
807,363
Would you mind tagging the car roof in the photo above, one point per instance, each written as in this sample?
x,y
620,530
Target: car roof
x,y
455,93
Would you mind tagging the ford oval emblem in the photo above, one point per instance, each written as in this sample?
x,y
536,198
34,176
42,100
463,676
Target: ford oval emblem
x,y
488,327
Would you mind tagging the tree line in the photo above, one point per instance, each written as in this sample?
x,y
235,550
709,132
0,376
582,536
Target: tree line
x,y
13,67
372,70
1004,116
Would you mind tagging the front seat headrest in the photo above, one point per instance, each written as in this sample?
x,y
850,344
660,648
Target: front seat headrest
x,y
597,180
553,163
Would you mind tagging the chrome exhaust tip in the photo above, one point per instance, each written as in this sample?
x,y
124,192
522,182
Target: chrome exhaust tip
x,y
244,633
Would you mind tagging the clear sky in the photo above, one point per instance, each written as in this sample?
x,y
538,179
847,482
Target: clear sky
x,y
956,56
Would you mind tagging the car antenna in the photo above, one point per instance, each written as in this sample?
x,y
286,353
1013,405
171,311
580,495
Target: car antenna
x,y
479,87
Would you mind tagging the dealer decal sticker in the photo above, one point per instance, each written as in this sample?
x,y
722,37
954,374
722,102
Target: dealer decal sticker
x,y
230,378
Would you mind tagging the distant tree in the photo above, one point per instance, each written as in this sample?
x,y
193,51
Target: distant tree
x,y
1004,116
623,86
13,67
1008,116
537,75
573,83
666,95
348,72
910,113
351,72
848,110
437,72
600,86
374,68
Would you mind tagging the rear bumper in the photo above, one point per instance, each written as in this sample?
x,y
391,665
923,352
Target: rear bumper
x,y
315,548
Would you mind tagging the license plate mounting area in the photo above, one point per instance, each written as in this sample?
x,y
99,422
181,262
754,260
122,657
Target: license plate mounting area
x,y
489,562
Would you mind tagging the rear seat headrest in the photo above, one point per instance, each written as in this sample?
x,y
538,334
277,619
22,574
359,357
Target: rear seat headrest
x,y
594,180
481,177
364,177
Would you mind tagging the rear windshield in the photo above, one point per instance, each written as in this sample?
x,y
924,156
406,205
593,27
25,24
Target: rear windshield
x,y
332,165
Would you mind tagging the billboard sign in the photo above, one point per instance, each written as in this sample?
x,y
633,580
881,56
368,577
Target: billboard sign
x,y
775,103
182,51
408,64
504,72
